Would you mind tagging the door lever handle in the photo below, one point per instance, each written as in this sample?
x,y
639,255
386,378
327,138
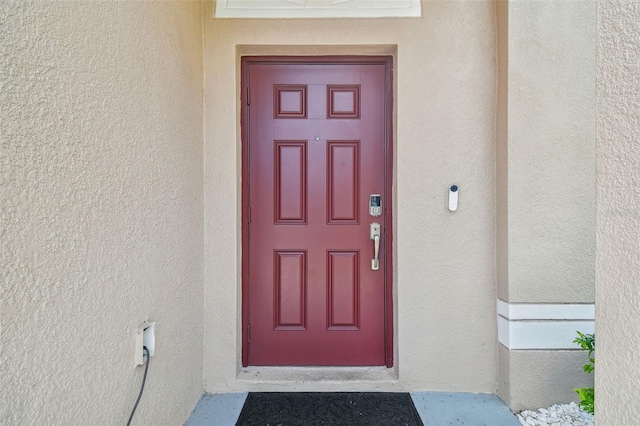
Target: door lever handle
x,y
374,234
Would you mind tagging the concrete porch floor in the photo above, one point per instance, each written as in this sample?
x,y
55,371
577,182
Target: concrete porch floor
x,y
435,409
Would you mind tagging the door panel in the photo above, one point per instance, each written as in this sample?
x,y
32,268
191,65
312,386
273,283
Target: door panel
x,y
343,290
290,182
315,141
290,282
343,185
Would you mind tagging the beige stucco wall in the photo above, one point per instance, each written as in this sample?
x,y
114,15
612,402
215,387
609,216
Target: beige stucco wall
x,y
541,378
618,220
445,262
545,175
502,150
101,210
549,181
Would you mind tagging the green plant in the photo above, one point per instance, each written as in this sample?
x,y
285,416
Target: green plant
x,y
587,395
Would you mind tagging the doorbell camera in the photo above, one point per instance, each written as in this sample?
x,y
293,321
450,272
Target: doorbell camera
x,y
453,198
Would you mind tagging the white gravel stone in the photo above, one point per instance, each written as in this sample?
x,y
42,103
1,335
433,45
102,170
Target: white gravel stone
x,y
557,415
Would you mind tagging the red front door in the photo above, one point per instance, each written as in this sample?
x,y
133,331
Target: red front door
x,y
315,152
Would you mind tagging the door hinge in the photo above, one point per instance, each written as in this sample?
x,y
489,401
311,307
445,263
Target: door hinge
x,y
248,332
248,96
249,214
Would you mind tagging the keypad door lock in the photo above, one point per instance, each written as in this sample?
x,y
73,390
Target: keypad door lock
x,y
375,205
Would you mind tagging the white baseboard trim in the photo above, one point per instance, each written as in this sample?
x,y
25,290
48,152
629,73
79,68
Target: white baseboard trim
x,y
540,326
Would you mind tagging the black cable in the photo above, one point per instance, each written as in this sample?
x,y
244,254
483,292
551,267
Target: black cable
x,y
144,379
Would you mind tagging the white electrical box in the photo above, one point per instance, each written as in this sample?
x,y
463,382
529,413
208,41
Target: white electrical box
x,y
145,336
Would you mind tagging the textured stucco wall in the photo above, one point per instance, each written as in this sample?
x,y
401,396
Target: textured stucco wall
x,y
101,210
618,214
445,262
551,151
502,151
543,378
545,177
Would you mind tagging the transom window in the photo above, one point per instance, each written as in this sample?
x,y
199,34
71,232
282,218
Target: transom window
x,y
317,8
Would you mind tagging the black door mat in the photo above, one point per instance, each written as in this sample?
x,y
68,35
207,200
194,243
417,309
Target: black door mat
x,y
324,408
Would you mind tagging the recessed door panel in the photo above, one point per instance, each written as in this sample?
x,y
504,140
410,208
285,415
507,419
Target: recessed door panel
x,y
343,172
290,285
343,101
290,101
290,184
343,298
315,147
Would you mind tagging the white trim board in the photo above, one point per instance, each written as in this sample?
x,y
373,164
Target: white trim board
x,y
543,326
318,9
547,311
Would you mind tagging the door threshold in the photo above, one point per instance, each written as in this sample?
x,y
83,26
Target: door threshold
x,y
318,378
